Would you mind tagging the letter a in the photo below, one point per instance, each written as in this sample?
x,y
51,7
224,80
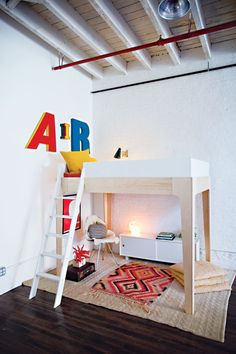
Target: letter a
x,y
46,123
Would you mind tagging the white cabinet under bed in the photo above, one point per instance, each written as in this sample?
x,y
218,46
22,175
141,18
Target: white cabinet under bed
x,y
148,247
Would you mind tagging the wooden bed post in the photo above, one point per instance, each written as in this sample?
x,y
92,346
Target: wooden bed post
x,y
108,210
206,223
183,189
107,200
186,190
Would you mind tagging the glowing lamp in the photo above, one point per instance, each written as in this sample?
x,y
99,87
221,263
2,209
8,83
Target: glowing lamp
x,y
134,229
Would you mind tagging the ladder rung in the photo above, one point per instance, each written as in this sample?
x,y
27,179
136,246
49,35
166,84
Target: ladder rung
x,y
52,255
51,234
62,216
49,276
66,197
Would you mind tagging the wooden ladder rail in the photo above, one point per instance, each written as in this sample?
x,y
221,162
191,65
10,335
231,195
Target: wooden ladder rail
x,y
60,279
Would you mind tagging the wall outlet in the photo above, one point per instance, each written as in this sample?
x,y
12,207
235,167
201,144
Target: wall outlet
x,y
2,271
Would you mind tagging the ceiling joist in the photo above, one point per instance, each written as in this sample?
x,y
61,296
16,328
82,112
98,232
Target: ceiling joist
x,y
199,20
65,12
137,23
114,19
159,42
162,28
32,21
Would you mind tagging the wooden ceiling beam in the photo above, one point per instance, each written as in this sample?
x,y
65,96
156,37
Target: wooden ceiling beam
x,y
32,21
199,20
72,19
162,27
114,19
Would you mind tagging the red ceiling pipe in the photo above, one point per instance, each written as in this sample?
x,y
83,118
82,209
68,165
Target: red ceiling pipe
x,y
160,42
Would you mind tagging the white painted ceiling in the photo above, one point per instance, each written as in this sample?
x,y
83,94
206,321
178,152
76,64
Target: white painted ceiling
x,y
78,29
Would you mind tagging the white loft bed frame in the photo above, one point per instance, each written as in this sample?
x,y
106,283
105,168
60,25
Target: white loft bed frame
x,y
184,178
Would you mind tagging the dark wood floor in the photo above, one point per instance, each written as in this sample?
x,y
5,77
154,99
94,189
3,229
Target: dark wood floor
x,y
33,326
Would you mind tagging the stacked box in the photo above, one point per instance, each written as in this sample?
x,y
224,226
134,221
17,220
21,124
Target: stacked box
x,y
77,274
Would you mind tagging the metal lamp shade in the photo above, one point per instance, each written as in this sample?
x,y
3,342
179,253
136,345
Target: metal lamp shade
x,y
118,154
173,9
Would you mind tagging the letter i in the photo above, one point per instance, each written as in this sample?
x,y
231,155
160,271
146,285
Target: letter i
x,y
65,128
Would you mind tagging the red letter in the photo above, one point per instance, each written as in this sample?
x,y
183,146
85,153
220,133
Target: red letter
x,y
46,123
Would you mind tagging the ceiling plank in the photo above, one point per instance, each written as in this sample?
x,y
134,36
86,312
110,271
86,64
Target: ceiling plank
x,y
198,16
32,21
109,13
161,26
78,25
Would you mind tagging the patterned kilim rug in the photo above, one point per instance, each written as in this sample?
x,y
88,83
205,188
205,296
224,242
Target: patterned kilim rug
x,y
136,281
209,319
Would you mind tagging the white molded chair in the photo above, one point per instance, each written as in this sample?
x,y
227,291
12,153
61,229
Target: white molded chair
x,y
108,240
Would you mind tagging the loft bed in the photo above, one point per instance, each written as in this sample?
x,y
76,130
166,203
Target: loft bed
x,y
184,178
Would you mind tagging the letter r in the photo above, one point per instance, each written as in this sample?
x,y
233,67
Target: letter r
x,y
79,135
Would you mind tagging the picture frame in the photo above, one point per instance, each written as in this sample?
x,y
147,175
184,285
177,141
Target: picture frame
x,y
66,210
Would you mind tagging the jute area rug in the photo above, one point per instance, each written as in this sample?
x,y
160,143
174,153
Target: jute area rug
x,y
209,319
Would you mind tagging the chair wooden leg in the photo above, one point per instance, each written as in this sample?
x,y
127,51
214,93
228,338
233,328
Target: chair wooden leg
x,y
112,254
98,255
103,248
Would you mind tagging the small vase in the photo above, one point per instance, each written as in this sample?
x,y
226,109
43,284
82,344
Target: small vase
x,y
79,264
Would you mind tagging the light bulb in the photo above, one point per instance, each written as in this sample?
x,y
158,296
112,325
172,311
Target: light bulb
x,y
134,228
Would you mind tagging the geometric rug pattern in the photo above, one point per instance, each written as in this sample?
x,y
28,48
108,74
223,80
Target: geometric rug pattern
x,y
140,282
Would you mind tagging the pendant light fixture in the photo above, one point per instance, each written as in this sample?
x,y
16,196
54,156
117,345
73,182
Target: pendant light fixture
x,y
173,9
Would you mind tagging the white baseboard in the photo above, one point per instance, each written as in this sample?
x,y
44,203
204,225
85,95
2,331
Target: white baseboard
x,y
16,274
223,259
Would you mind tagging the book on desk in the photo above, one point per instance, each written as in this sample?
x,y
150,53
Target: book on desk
x,y
168,236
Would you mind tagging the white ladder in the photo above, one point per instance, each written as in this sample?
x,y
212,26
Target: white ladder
x,y
60,279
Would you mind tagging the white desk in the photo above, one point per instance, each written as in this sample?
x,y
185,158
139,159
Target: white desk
x,y
181,177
